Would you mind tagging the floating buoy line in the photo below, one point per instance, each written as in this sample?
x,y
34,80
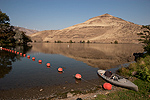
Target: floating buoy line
x,y
60,70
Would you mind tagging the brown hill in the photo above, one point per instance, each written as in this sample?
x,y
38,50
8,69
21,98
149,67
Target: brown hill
x,y
27,31
104,29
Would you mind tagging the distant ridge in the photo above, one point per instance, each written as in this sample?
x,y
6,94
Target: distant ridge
x,y
102,29
27,31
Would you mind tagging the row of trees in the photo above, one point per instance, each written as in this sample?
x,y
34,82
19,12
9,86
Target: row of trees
x,y
10,35
72,41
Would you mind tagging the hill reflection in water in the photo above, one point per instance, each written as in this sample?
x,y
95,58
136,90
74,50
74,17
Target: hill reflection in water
x,y
27,77
102,56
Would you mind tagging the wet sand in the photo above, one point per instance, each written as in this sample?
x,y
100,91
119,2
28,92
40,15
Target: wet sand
x,y
46,92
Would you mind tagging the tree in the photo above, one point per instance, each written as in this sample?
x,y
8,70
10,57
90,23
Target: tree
x,y
70,41
116,42
88,41
145,38
26,38
10,35
21,38
6,31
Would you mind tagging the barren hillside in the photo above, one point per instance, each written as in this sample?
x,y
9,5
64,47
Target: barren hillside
x,y
104,29
27,31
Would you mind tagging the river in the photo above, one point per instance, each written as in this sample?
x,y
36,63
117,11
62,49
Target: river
x,y
22,77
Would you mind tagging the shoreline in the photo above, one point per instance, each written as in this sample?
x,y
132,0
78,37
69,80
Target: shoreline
x,y
65,93
59,91
80,89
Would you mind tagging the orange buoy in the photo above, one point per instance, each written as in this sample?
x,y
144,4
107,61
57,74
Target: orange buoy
x,y
33,58
78,76
17,52
20,54
48,64
24,55
107,86
40,61
60,69
9,50
28,56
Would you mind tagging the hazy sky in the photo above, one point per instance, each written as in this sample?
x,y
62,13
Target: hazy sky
x,y
59,14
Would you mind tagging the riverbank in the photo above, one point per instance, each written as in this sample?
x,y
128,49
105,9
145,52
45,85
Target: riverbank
x,y
124,94
85,89
138,73
50,92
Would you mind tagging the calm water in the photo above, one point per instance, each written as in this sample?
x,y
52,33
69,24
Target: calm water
x,y
20,72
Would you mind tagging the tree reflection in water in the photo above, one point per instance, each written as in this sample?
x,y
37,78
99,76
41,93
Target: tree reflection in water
x,y
6,58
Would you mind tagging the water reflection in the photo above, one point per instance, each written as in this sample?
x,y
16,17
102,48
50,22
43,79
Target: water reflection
x,y
27,74
7,57
102,56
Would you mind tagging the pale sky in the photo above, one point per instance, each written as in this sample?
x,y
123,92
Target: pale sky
x,y
60,14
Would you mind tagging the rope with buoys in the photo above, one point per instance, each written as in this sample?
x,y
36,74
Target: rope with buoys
x,y
90,82
60,70
33,58
79,77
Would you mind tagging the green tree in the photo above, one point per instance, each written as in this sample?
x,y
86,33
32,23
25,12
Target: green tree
x,y
10,35
6,31
145,38
116,42
88,41
70,41
26,38
21,38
